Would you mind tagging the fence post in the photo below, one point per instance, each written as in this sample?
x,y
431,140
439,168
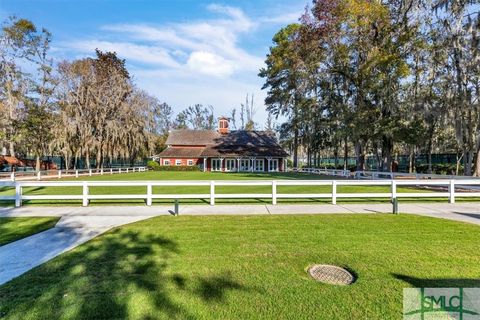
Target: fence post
x,y
76,173
127,170
451,191
394,190
101,171
39,175
12,176
149,194
18,195
119,170
274,192
90,172
111,171
85,194
212,193
334,191
59,174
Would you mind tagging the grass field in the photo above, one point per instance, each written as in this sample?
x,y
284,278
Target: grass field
x,y
170,175
250,267
12,229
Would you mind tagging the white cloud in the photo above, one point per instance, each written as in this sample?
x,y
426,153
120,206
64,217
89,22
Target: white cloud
x,y
211,45
130,51
183,63
283,19
209,63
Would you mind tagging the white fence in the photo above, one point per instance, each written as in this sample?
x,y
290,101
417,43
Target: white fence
x,y
450,189
50,174
374,175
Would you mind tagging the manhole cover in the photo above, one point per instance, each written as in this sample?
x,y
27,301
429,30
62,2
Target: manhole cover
x,y
331,274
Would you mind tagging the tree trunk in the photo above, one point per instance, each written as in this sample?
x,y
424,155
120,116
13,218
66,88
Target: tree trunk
x,y
459,160
295,147
360,157
87,160
345,154
335,153
429,159
75,164
411,160
11,148
37,164
468,162
98,159
387,149
476,172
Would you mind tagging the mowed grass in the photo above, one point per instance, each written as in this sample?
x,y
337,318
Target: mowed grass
x,y
13,229
195,176
248,267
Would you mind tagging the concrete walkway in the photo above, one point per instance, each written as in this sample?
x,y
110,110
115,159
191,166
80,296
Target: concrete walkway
x,y
80,224
464,212
20,256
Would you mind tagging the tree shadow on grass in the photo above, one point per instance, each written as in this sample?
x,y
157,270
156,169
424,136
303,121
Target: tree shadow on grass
x,y
214,288
120,275
438,282
96,281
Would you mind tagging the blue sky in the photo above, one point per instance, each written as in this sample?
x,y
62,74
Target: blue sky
x,y
184,51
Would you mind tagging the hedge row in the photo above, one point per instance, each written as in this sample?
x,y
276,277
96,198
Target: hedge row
x,y
155,166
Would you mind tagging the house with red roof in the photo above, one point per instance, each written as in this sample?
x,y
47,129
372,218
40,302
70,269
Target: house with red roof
x,y
223,150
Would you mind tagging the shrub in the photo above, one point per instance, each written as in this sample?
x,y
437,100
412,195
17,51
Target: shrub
x,y
174,168
153,165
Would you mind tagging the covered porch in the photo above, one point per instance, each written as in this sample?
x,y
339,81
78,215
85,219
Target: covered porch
x,y
244,164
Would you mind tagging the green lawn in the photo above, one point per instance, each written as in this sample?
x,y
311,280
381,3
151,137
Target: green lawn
x,y
248,267
170,175
12,229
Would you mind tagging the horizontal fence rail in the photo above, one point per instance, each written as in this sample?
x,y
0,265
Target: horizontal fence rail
x,y
52,174
450,189
374,175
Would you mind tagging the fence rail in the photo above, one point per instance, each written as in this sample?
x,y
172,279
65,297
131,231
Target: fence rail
x,y
450,189
51,174
374,175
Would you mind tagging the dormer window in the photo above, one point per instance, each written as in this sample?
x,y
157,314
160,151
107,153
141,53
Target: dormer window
x,y
223,125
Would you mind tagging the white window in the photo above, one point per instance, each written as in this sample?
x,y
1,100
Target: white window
x,y
230,165
259,165
190,162
178,162
244,165
166,162
216,165
273,165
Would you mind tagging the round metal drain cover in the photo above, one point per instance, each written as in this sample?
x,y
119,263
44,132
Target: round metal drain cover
x,y
331,274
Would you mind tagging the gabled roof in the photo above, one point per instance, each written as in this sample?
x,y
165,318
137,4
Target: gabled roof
x,y
236,143
191,137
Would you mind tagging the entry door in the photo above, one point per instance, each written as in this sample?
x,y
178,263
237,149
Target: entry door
x,y
230,165
216,165
273,165
244,165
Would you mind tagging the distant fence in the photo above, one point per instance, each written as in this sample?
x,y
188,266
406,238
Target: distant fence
x,y
450,189
372,175
51,174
